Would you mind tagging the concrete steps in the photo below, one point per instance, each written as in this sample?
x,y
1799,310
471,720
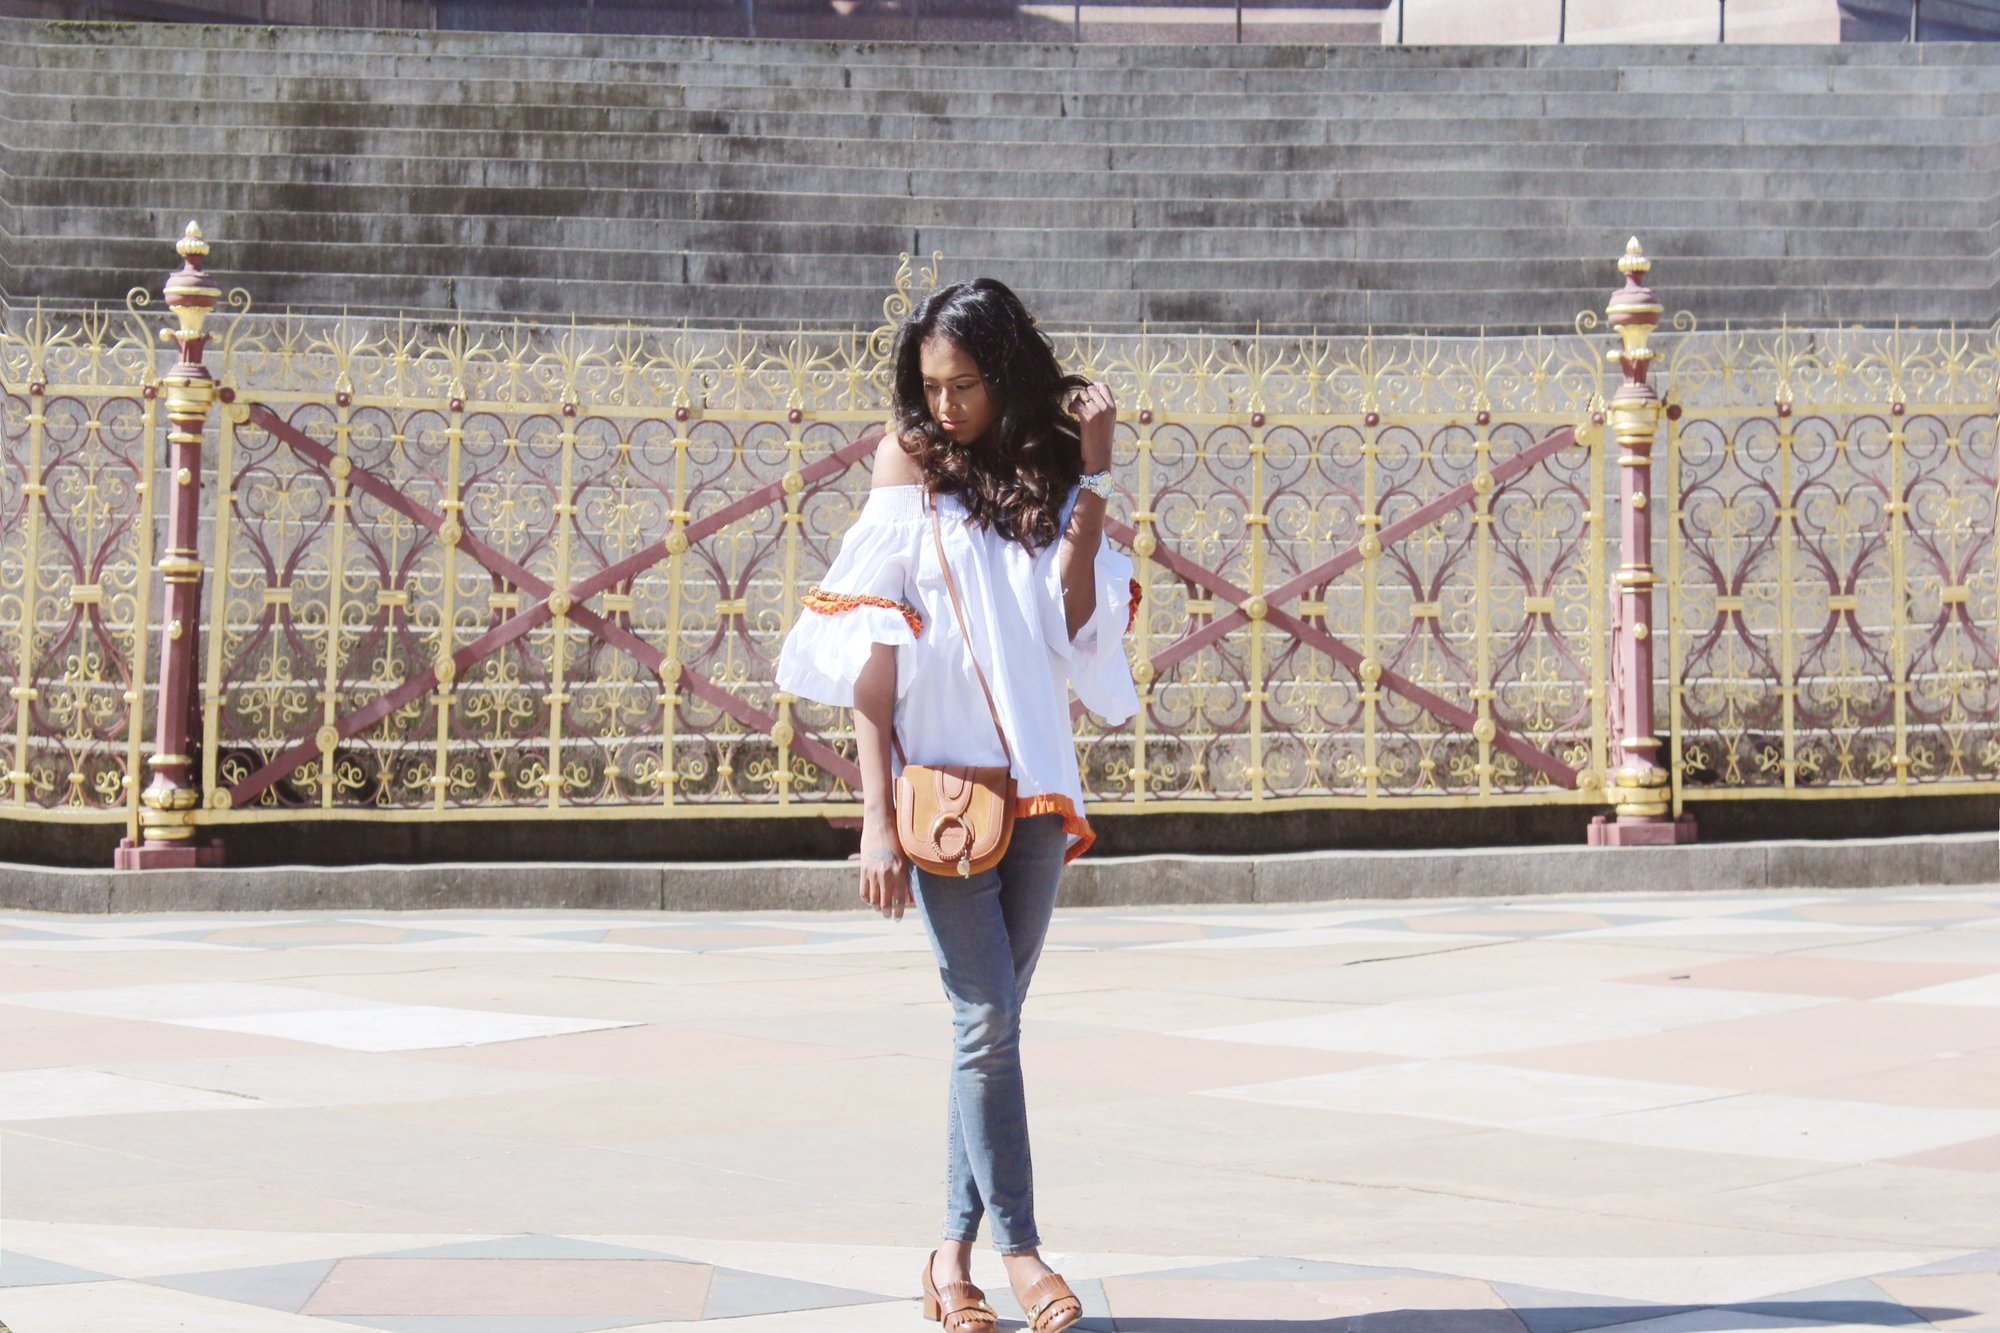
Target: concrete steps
x,y
833,137
411,182
586,161
941,87
1859,251
960,93
1734,223
670,178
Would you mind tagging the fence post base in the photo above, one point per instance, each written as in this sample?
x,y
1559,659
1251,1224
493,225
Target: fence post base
x,y
187,856
1608,832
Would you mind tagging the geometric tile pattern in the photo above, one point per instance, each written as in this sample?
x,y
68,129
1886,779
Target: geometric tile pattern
x,y
1659,1113
628,1290
306,1016
39,1094
22,1270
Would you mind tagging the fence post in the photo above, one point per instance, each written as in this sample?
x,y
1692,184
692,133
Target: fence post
x,y
171,802
1639,784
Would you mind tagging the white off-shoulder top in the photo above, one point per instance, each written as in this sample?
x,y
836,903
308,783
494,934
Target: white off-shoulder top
x,y
885,587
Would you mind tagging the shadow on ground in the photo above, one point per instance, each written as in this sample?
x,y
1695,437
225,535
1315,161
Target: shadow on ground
x,y
1548,1319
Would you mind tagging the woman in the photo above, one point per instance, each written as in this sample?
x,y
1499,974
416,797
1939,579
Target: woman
x,y
1015,456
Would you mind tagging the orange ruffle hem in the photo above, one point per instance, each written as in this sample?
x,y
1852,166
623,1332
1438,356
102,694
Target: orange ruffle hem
x,y
1050,803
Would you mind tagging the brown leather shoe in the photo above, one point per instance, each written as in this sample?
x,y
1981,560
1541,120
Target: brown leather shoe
x,y
959,1306
1051,1305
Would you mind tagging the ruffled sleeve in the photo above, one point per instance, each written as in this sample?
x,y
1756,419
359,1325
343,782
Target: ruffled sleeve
x,y
866,598
1099,671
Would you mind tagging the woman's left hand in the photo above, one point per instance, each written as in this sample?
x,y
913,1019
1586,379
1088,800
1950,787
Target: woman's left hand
x,y
1096,415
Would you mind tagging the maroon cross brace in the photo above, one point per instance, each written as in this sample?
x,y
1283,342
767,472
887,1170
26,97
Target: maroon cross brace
x,y
515,626
810,747
1324,573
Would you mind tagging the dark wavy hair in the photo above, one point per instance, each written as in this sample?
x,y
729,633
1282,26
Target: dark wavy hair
x,y
1016,477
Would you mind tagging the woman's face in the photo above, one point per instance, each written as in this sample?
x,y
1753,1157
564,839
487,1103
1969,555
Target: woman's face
x,y
955,391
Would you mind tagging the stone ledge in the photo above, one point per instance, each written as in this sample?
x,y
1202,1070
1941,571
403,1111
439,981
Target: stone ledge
x,y
1951,860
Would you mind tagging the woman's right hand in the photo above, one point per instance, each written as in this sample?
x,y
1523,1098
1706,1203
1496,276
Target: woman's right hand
x,y
1096,412
885,871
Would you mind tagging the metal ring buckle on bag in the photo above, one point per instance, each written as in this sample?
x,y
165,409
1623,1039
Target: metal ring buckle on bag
x,y
965,849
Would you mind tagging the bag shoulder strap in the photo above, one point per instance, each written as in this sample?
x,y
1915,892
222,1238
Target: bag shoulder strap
x,y
992,710
958,612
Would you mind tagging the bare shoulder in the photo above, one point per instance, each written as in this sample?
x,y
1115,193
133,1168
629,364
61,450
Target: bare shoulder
x,y
894,465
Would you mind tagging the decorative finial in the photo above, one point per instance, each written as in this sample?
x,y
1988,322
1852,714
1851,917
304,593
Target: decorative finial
x,y
191,292
1633,310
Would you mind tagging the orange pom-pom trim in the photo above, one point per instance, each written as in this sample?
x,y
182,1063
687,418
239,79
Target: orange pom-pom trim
x,y
833,603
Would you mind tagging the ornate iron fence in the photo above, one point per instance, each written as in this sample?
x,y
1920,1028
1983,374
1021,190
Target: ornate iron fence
x,y
1833,584
512,571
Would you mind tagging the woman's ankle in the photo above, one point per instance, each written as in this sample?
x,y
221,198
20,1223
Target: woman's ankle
x,y
1027,1262
954,1258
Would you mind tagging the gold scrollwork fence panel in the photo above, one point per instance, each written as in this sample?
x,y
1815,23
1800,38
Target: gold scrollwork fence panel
x,y
504,571
394,512
1833,582
1287,653
449,487
81,435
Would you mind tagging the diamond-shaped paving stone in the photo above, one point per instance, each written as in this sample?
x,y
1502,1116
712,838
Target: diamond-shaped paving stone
x,y
485,1323
196,935
1286,1270
733,1292
1209,932
1547,1311
25,1270
611,1292
1855,1302
284,1287
1979,1261
530,1247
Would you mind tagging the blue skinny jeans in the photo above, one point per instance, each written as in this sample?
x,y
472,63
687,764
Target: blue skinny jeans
x,y
987,933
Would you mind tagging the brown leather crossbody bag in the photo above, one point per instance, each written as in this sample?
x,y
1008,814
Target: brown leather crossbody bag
x,y
955,819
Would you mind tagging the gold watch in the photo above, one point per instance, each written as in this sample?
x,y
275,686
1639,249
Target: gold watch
x,y
1097,483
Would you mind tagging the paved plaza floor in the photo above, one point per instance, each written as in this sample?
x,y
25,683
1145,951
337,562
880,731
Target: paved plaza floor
x,y
1687,1112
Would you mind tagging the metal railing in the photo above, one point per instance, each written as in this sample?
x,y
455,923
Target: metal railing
x,y
938,20
1003,20
1196,20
